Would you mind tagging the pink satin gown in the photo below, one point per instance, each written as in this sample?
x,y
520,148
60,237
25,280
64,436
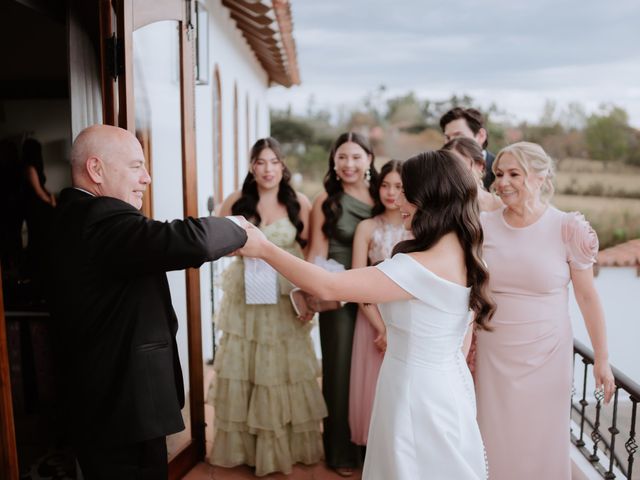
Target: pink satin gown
x,y
365,356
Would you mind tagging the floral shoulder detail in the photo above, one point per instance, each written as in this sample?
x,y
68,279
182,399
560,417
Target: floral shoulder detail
x,y
580,239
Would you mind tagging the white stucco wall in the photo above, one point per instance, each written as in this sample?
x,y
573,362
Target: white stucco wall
x,y
237,65
157,87
619,289
156,50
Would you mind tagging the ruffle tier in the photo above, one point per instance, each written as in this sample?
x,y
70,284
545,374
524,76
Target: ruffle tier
x,y
266,324
267,452
268,404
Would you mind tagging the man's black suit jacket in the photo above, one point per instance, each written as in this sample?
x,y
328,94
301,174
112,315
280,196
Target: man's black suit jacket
x,y
111,304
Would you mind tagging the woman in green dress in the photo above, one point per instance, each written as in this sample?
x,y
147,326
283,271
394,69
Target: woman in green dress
x,y
348,198
267,400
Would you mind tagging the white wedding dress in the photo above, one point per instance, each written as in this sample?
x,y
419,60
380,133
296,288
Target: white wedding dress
x,y
423,425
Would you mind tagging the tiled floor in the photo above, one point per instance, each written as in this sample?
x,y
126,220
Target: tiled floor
x,y
204,471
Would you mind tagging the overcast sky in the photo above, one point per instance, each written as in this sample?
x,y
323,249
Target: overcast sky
x,y
514,53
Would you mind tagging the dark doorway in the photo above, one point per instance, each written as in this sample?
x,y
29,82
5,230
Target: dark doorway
x,y
35,135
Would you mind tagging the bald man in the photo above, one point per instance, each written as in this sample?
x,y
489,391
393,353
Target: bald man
x,y
110,298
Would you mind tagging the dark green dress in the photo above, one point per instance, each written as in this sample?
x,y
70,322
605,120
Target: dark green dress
x,y
336,338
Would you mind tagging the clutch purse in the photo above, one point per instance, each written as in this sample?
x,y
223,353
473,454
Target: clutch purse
x,y
305,303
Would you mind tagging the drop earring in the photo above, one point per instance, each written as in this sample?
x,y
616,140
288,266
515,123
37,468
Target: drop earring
x,y
367,175
335,169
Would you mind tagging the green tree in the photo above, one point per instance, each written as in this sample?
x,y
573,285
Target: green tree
x,y
573,117
314,161
548,117
404,109
291,130
608,134
634,148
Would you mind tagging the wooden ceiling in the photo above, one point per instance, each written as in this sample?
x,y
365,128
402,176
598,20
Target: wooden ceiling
x,y
268,29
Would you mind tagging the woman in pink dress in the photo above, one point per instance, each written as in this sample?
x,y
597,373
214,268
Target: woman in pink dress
x,y
524,366
373,242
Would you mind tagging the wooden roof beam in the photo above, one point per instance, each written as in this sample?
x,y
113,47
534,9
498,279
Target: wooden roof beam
x,y
245,24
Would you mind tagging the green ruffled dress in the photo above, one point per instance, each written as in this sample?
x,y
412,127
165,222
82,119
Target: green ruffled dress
x,y
267,400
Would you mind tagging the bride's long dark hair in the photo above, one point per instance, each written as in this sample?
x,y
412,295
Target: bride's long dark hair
x,y
445,194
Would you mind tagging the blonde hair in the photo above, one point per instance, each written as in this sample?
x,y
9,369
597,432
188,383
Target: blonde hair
x,y
532,158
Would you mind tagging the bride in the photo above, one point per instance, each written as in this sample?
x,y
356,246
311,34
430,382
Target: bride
x,y
424,416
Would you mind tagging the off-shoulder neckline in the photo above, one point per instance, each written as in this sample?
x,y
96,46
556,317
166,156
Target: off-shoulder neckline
x,y
438,277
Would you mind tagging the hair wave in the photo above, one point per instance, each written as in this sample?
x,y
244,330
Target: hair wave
x,y
445,195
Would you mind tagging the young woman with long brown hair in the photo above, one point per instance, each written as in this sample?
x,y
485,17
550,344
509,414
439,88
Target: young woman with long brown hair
x,y
423,423
350,185
268,405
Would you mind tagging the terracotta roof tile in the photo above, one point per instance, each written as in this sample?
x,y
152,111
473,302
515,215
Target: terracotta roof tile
x,y
623,255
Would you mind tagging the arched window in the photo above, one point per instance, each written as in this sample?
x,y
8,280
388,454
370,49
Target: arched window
x,y
236,143
256,122
248,123
218,164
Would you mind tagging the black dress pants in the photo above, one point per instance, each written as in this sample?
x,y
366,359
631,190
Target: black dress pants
x,y
137,461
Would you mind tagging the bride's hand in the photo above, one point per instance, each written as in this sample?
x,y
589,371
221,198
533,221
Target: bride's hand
x,y
381,342
306,316
256,241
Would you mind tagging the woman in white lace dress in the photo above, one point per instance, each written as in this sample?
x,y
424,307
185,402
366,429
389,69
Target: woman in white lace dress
x,y
373,242
423,423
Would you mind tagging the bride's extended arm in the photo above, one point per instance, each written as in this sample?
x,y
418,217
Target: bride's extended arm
x,y
363,285
359,259
318,242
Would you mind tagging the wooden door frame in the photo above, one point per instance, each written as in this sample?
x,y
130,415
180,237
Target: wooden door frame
x,y
218,163
9,467
133,14
236,139
118,109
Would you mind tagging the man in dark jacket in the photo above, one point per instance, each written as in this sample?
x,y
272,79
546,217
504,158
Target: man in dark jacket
x,y
112,307
469,122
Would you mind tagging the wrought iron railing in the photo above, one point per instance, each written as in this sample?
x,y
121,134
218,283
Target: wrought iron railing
x,y
590,417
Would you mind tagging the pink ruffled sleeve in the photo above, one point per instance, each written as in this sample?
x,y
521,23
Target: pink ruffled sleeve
x,y
580,240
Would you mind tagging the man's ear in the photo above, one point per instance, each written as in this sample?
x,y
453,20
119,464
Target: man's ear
x,y
481,137
95,169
